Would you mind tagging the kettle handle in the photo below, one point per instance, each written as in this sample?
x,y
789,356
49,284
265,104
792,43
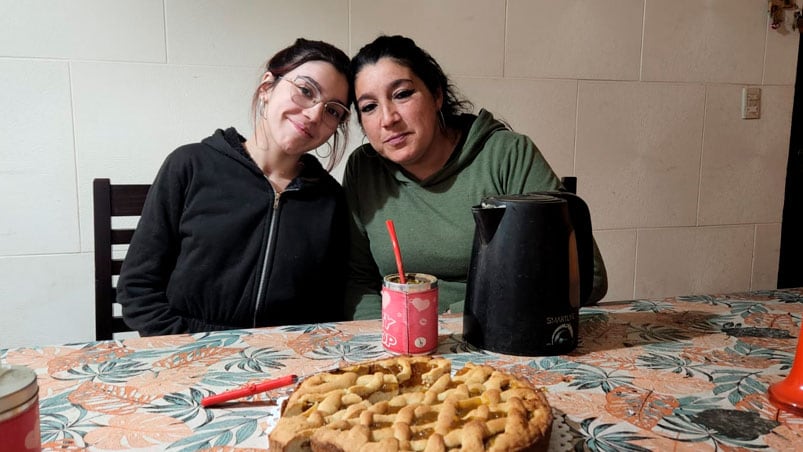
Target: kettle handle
x,y
580,217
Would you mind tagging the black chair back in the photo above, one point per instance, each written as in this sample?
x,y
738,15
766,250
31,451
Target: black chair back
x,y
569,183
111,201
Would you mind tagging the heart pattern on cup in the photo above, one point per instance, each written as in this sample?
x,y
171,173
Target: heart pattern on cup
x,y
420,304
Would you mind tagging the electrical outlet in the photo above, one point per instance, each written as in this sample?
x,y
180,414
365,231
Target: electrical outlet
x,y
751,103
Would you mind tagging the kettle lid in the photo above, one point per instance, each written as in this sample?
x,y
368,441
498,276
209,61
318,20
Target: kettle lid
x,y
506,200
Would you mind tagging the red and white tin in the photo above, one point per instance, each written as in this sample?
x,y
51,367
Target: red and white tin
x,y
19,410
410,314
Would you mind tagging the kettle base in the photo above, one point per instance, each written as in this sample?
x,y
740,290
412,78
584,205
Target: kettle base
x,y
545,340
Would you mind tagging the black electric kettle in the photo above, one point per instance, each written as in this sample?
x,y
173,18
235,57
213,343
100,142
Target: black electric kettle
x,y
532,267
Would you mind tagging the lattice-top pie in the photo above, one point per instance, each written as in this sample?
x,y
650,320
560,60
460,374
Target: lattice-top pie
x,y
413,404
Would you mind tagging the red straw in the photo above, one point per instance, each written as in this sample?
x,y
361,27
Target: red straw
x,y
396,250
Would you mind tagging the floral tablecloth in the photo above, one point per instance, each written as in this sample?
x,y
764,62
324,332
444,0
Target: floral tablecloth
x,y
683,373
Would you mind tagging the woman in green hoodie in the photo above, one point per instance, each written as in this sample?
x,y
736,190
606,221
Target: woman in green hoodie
x,y
427,161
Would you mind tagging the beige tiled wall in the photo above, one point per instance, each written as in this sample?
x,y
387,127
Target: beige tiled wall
x,y
465,36
638,152
719,41
574,39
638,98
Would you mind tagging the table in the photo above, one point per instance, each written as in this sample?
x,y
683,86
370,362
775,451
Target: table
x,y
682,373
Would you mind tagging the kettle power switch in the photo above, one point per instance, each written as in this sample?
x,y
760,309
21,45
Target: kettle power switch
x,y
751,103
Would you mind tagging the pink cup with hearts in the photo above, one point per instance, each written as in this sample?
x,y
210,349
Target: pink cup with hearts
x,y
410,314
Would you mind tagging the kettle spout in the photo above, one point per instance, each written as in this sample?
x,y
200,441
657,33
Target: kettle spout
x,y
487,219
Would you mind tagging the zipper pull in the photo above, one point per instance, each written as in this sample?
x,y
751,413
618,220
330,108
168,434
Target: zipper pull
x,y
276,193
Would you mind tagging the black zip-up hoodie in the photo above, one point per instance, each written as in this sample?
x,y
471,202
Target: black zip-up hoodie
x,y
216,248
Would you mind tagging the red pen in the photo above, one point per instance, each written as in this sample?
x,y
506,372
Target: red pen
x,y
247,390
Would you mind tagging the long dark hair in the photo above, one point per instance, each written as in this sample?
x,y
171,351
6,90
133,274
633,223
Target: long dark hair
x,y
303,51
406,52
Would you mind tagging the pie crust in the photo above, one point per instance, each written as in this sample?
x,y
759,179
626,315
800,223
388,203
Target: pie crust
x,y
411,403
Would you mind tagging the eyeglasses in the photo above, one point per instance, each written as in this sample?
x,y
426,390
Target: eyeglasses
x,y
308,95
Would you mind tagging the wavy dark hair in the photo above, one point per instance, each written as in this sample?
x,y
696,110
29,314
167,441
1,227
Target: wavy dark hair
x,y
406,52
303,51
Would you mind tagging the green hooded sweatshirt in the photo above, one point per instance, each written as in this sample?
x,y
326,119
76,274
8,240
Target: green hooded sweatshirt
x,y
432,217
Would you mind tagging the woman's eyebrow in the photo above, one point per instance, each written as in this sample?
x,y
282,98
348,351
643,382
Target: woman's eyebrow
x,y
393,85
399,82
364,97
317,86
310,80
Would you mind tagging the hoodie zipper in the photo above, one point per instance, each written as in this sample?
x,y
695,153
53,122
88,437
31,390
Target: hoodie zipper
x,y
268,250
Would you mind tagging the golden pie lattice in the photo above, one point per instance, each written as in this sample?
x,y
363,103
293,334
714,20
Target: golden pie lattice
x,y
413,404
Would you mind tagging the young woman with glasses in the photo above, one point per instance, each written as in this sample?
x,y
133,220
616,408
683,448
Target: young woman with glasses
x,y
241,233
428,160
